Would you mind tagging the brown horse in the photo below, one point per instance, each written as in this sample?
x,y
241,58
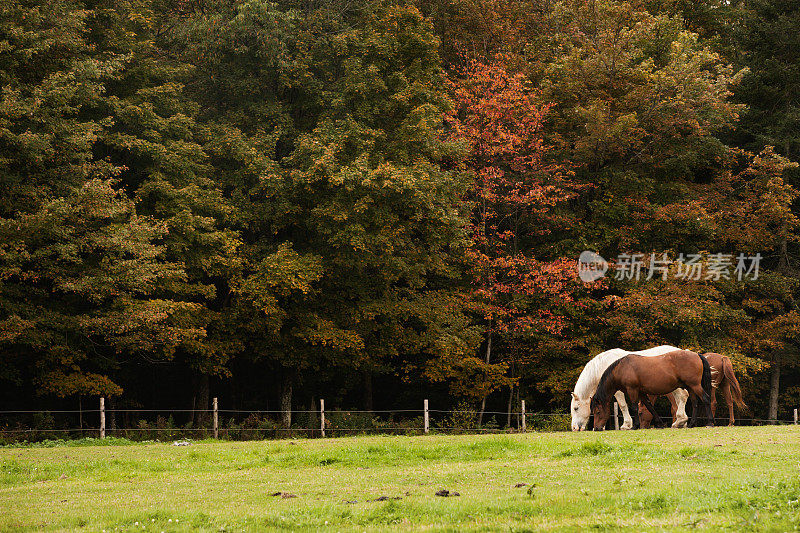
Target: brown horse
x,y
722,377
639,377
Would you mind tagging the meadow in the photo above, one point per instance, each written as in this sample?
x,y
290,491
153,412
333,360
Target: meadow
x,y
743,478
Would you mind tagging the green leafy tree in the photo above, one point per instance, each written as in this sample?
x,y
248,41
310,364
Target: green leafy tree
x,y
85,277
327,133
156,139
763,36
81,276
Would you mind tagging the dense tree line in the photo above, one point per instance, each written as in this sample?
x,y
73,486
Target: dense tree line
x,y
375,201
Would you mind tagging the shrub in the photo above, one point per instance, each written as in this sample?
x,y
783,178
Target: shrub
x,y
463,416
556,422
403,426
348,422
254,427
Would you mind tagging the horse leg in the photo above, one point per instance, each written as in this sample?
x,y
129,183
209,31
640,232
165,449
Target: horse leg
x,y
701,396
673,407
647,403
726,390
633,398
627,421
713,403
710,415
680,418
695,409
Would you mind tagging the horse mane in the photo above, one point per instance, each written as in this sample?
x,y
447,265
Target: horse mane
x,y
593,371
600,394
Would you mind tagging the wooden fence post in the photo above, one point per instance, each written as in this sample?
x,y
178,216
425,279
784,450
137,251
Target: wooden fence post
x,y
426,416
216,419
103,417
322,417
795,417
616,415
523,416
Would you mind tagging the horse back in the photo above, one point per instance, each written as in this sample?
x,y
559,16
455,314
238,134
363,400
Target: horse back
x,y
663,373
687,364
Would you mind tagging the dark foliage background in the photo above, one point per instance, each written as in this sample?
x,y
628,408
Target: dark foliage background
x,y
375,202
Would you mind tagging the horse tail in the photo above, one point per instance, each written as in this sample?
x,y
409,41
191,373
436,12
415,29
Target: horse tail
x,y
705,381
736,391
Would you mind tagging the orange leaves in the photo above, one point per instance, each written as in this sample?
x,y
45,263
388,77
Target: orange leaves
x,y
499,115
515,192
752,208
86,383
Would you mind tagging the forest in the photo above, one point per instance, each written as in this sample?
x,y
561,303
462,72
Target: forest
x,y
379,201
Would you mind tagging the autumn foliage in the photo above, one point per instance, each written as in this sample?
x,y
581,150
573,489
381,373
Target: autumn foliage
x,y
280,201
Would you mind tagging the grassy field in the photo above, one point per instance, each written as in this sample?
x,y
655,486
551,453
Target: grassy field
x,y
725,478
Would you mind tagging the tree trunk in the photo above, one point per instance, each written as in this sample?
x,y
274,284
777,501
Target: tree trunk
x,y
774,386
314,418
488,358
512,388
286,398
368,405
775,377
783,259
510,404
201,399
112,414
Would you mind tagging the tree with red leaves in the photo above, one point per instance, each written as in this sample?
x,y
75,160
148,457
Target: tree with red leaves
x,y
517,283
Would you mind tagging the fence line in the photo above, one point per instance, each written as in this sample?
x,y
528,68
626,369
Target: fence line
x,y
224,431
32,411
520,418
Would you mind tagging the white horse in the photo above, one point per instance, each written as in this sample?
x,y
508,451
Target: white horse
x,y
590,377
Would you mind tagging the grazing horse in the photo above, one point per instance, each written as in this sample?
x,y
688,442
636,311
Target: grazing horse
x,y
590,377
639,376
722,378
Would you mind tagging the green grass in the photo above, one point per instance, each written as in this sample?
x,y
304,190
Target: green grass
x,y
726,478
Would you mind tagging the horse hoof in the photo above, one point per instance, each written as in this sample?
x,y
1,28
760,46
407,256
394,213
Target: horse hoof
x,y
680,422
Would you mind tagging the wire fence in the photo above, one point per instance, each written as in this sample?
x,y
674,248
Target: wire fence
x,y
240,424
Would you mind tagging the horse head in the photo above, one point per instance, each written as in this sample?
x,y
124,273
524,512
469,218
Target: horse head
x,y
580,411
601,409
